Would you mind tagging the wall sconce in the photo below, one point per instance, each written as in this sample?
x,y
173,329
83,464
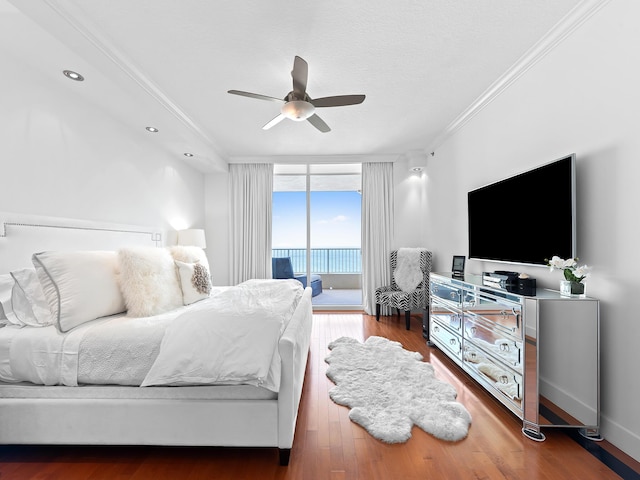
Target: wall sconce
x,y
192,237
417,161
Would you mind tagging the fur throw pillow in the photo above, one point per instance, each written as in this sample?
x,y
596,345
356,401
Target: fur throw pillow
x,y
148,281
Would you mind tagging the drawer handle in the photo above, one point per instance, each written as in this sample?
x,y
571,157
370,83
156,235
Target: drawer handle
x,y
473,331
504,347
519,356
436,328
504,379
516,313
452,342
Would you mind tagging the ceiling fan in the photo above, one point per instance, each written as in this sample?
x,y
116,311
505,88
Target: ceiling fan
x,y
298,106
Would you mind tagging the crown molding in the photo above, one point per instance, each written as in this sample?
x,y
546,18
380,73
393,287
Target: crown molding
x,y
558,33
316,159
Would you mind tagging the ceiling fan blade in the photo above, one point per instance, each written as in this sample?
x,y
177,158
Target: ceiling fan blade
x,y
338,101
273,122
255,95
300,74
317,122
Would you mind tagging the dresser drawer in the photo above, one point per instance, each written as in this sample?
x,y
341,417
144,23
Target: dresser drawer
x,y
506,318
450,294
446,316
504,382
446,339
486,337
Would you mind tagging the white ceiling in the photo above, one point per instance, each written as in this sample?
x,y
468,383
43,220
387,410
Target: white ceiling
x,y
423,66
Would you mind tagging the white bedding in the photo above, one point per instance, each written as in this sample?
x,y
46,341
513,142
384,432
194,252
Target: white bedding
x,y
123,350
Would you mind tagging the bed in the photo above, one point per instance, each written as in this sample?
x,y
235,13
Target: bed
x,y
82,401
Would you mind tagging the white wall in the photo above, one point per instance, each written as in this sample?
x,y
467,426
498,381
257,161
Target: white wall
x,y
217,227
61,156
409,201
583,97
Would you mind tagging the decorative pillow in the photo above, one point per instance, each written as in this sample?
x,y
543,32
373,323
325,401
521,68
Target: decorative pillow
x,y
194,280
27,298
189,254
79,286
148,281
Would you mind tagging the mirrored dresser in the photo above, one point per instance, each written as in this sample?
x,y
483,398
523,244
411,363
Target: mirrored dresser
x,y
538,355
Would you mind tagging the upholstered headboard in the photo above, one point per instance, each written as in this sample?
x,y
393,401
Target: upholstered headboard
x,y
22,235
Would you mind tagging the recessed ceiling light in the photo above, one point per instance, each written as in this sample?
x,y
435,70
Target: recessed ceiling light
x,y
152,129
73,75
187,154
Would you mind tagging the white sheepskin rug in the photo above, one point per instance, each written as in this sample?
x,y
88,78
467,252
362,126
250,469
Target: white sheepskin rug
x,y
390,389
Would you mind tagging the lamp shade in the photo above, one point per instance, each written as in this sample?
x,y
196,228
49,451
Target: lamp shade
x,y
192,237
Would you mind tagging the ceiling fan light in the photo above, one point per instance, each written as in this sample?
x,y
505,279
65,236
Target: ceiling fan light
x,y
298,110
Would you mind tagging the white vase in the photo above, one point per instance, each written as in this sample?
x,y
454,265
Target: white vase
x,y
568,288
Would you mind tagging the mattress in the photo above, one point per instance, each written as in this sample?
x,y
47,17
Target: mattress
x,y
25,390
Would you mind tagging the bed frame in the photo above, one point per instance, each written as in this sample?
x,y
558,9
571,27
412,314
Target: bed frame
x,y
71,417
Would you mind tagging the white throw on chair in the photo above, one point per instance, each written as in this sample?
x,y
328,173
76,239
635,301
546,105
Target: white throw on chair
x,y
409,289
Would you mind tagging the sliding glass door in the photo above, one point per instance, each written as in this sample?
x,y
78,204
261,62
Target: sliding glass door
x,y
317,226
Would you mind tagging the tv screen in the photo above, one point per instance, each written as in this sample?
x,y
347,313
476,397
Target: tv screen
x,y
526,218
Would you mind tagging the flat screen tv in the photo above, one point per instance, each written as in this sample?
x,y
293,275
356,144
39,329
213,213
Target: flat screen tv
x,y
526,218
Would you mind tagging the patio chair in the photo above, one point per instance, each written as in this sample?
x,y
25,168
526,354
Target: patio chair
x,y
282,268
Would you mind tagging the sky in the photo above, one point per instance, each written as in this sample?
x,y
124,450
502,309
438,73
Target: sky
x,y
335,219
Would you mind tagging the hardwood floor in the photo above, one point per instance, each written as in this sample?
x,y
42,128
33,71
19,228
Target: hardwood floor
x,y
329,446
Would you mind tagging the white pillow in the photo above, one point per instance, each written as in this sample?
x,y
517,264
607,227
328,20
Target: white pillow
x,y
189,254
6,308
27,298
194,280
79,286
148,281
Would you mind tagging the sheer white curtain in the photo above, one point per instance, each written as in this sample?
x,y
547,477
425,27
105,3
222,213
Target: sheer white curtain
x,y
251,188
377,230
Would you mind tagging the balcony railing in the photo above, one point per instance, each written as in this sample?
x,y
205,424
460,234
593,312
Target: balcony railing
x,y
323,260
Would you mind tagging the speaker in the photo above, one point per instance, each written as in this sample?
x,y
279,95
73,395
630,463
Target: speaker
x,y
527,286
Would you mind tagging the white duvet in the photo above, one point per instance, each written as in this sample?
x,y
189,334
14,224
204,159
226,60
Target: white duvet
x,y
229,338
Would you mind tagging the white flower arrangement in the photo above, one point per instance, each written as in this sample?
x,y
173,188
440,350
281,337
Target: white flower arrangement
x,y
572,271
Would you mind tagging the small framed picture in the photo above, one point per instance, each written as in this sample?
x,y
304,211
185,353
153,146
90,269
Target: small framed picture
x,y
457,267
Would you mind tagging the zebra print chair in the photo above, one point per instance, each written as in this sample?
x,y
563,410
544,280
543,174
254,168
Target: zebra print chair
x,y
392,296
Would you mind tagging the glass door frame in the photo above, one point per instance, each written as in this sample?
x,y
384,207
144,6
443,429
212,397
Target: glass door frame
x,y
321,169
